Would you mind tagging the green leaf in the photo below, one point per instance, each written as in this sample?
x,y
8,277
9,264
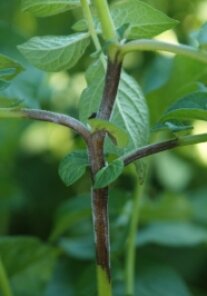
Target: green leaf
x,y
28,264
81,248
80,26
182,80
55,53
174,234
202,37
160,281
143,20
119,136
9,68
71,212
44,8
109,173
4,84
130,111
193,106
73,166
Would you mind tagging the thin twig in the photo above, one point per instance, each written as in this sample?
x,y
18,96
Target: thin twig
x,y
162,146
49,116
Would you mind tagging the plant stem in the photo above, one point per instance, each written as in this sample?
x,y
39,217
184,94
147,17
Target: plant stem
x,y
162,146
92,29
100,218
110,89
131,247
152,45
109,31
49,116
4,282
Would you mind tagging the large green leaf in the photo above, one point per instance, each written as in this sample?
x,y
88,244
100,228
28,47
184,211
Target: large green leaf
x,y
143,20
28,263
193,106
55,53
118,135
73,166
109,173
161,281
173,234
130,112
44,8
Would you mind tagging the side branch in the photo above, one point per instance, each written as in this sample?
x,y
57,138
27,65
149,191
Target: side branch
x,y
153,45
162,146
49,116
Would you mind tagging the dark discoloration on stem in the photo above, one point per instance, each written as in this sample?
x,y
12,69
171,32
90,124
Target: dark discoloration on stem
x,y
110,89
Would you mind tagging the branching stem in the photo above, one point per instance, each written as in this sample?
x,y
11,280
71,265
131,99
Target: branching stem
x,y
49,116
162,146
154,45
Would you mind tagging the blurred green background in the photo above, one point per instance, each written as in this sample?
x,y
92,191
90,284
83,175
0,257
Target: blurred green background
x,y
34,203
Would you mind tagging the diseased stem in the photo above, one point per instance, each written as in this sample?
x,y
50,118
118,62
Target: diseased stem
x,y
110,89
131,247
162,146
153,45
4,282
49,116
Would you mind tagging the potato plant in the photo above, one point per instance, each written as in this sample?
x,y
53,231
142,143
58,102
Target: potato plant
x,y
118,126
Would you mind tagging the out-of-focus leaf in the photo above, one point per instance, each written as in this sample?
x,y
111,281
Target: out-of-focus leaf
x,y
169,207
44,8
202,37
172,234
55,53
143,20
192,106
160,281
73,211
109,173
9,68
73,166
81,248
28,263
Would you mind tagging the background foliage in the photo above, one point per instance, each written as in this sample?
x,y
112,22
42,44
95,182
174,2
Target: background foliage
x,y
46,242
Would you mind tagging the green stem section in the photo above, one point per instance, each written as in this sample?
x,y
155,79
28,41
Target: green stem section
x,y
131,244
153,45
91,28
4,282
104,286
109,32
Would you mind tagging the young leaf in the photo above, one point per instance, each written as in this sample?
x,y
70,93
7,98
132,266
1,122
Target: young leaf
x,y
202,37
55,53
73,166
119,135
143,20
109,173
193,106
44,8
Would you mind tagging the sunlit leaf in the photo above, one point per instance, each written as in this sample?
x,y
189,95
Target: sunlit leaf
x,y
44,8
143,20
55,53
73,166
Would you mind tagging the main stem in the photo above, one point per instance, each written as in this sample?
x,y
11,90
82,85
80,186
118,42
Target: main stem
x,y
100,196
